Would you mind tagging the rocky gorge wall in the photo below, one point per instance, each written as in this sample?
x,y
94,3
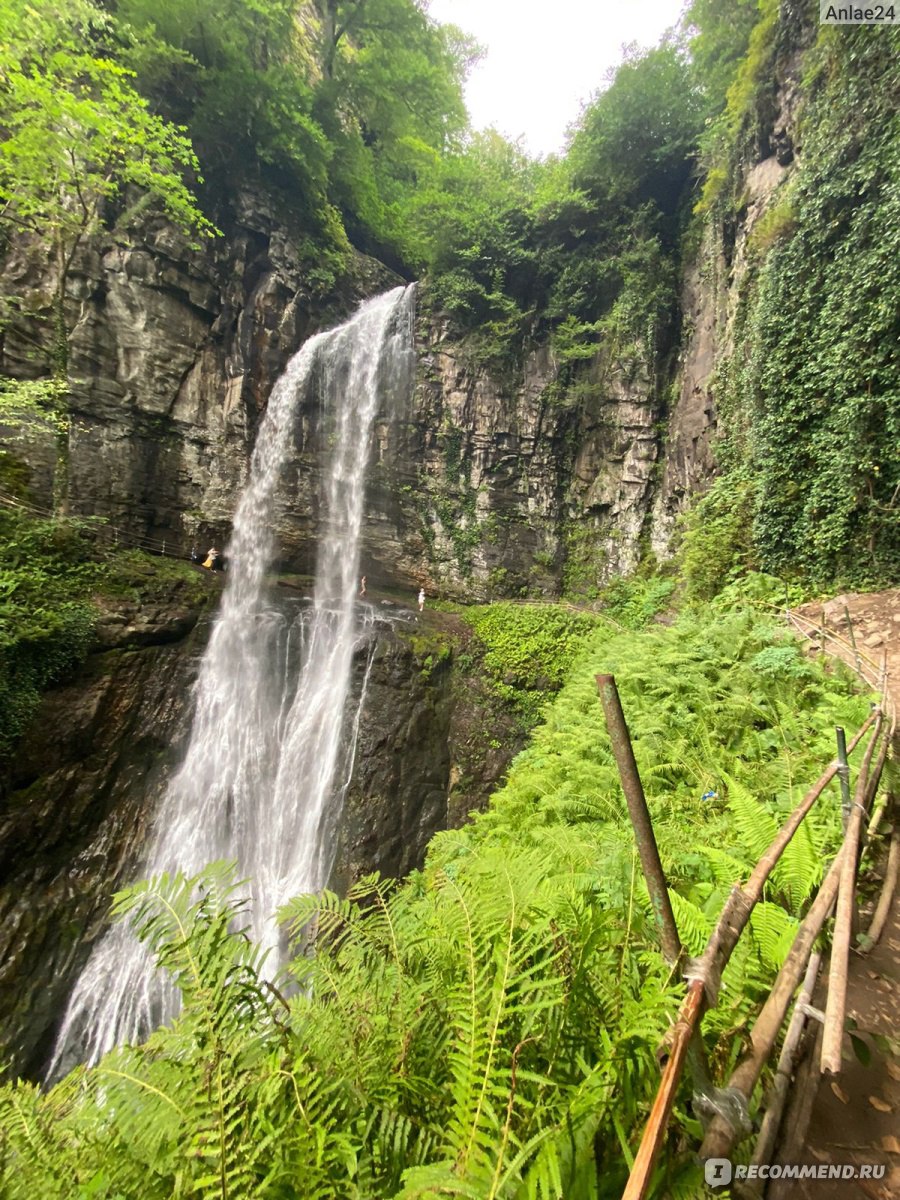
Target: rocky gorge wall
x,y
78,798
485,481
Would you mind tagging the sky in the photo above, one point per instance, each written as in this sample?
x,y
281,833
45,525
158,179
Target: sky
x,y
544,58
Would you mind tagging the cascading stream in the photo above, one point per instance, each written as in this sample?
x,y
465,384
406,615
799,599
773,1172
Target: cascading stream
x,y
258,783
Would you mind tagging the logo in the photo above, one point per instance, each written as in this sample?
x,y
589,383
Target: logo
x,y
717,1171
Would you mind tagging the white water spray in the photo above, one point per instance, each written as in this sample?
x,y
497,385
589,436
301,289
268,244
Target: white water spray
x,y
258,783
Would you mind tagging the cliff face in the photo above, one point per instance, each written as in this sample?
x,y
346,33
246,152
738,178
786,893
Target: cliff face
x,y
173,353
715,278
78,798
483,482
498,485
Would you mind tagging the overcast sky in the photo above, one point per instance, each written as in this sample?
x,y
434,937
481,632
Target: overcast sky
x,y
544,58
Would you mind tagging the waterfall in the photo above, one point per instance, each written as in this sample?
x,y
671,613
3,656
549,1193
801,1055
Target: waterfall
x,y
259,779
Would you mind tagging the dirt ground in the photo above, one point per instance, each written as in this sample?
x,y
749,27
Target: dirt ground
x,y
856,1117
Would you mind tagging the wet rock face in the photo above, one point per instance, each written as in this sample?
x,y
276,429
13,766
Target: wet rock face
x,y
432,745
173,353
78,800
397,798
482,482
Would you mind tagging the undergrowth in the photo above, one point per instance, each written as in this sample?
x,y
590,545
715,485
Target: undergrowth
x,y
487,1028
528,649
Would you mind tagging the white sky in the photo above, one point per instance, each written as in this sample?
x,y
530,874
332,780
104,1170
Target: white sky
x,y
544,57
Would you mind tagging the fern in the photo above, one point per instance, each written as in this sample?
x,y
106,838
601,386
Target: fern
x,y
488,1027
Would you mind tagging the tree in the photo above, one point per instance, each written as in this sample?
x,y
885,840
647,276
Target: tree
x,y
636,142
77,135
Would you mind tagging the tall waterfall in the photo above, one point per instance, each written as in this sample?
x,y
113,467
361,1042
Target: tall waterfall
x,y
259,783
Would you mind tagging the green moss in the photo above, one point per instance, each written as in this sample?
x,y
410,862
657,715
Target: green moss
x,y
145,578
431,648
51,572
528,649
584,561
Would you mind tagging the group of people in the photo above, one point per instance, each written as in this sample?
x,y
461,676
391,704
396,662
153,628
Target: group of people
x,y
363,592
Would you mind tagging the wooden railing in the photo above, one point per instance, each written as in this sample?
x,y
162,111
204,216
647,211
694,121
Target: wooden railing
x,y
730,1104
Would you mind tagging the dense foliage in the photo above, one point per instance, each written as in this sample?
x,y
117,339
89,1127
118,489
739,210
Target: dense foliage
x,y
489,1027
528,650
76,135
810,400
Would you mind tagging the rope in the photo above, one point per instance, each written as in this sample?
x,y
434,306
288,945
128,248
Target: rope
x,y
112,533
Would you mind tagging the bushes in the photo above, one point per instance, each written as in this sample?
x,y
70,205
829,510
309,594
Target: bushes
x,y
487,1028
529,649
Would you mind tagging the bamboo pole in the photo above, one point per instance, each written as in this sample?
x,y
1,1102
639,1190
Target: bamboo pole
x,y
720,1136
870,938
835,1009
640,818
812,629
655,1131
782,1081
853,640
843,775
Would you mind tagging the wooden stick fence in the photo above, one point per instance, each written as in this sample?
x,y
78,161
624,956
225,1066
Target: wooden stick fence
x,y
704,974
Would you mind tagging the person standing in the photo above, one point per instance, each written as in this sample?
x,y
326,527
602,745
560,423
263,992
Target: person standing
x,y
421,599
362,588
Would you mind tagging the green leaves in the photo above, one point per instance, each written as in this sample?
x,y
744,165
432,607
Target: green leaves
x,y
529,650
77,132
810,400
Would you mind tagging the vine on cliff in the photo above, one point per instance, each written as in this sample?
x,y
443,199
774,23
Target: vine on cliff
x,y
811,398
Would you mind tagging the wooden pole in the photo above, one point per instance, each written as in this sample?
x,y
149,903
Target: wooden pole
x,y
731,923
720,1136
782,1081
870,938
843,775
640,818
835,1009
655,1131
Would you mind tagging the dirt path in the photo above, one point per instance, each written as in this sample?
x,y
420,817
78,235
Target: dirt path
x,y
856,1118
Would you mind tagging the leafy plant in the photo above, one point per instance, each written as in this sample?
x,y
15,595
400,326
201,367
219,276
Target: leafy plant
x,y
488,1027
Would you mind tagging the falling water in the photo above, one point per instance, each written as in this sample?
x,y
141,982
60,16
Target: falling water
x,y
258,783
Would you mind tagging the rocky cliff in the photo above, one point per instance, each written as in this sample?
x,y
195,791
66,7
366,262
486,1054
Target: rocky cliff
x,y
173,352
485,481
77,798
